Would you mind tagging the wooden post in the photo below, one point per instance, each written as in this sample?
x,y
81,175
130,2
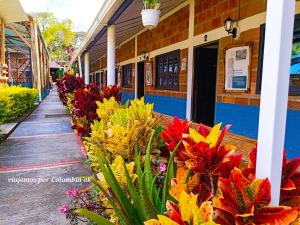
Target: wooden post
x,y
36,62
3,78
33,55
274,92
2,42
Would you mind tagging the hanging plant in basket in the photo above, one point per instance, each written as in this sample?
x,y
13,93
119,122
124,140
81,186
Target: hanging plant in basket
x,y
150,13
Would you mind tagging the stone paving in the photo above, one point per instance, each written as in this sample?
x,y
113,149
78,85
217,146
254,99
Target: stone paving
x,y
42,147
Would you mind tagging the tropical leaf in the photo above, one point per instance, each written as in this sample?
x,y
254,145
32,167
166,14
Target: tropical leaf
x,y
120,195
276,215
213,136
114,202
290,179
134,195
148,206
289,170
187,205
245,201
162,220
170,174
99,220
205,155
137,159
172,135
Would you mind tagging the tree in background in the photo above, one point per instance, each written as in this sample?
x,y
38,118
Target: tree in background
x,y
61,41
79,36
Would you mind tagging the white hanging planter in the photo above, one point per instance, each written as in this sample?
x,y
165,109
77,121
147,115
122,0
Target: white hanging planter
x,y
150,18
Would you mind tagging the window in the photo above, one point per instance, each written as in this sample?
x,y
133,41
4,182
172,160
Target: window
x,y
126,76
167,71
294,88
97,79
103,78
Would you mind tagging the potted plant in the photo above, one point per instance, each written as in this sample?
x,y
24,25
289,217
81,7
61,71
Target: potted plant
x,y
150,13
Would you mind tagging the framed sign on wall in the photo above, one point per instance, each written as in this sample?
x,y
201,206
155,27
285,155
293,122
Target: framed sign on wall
x,y
237,68
148,72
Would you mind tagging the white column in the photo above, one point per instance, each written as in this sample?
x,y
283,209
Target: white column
x,y
79,66
86,68
274,92
190,66
111,55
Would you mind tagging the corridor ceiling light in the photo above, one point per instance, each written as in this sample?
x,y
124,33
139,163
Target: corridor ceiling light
x,y
229,27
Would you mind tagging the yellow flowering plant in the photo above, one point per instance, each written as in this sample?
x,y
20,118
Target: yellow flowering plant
x,y
120,130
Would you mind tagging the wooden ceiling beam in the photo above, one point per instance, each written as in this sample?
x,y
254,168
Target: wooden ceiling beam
x,y
19,35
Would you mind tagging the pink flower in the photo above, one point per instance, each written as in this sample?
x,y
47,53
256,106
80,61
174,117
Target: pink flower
x,y
162,167
72,192
64,209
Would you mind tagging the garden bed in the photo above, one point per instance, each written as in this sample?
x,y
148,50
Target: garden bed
x,y
243,144
152,169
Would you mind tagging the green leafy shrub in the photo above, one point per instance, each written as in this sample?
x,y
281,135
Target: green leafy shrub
x,y
15,101
121,129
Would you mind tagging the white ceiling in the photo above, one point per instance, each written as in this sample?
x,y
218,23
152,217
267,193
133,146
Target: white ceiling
x,y
12,11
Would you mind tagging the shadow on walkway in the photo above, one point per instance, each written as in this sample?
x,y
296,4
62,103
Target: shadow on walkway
x,y
40,152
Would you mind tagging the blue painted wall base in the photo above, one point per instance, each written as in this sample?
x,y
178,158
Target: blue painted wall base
x,y
126,95
168,105
162,104
244,120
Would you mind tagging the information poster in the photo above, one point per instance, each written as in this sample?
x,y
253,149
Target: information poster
x,y
237,68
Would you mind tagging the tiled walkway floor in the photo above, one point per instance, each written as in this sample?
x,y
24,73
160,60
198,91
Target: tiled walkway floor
x,y
42,147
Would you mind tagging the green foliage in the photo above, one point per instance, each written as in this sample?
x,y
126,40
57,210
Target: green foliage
x,y
57,34
296,49
15,101
121,129
139,201
99,220
151,4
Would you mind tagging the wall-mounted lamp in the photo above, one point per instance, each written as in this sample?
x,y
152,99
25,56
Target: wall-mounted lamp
x,y
145,56
229,27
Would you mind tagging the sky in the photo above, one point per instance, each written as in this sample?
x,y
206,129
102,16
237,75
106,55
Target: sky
x,y
81,12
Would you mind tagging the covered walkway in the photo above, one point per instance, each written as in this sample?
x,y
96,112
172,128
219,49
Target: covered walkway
x,y
43,146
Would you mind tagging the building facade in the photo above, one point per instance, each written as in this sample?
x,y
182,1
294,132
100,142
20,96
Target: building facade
x,y
182,66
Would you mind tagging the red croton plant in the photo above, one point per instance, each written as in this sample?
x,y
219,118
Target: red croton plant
x,y
204,156
111,91
172,135
84,113
213,175
290,179
85,108
243,201
68,84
